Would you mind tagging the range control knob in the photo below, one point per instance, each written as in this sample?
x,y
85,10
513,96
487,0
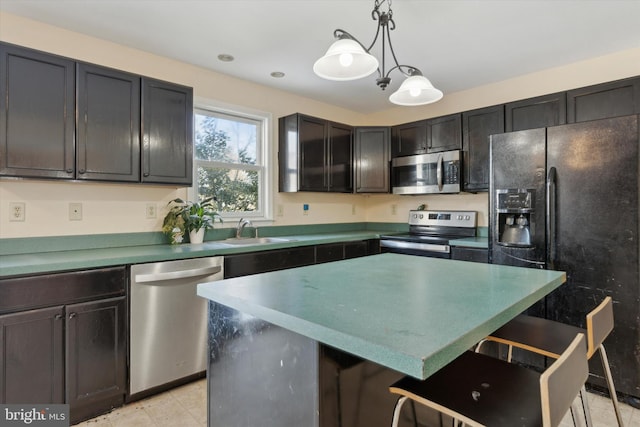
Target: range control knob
x,y
467,217
459,217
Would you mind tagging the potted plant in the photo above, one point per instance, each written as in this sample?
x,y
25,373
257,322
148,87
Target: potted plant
x,y
189,217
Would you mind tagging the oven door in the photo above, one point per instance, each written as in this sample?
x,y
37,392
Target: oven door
x,y
426,173
407,247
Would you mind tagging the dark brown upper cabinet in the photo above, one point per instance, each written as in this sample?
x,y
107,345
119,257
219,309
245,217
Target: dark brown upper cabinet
x,y
477,126
427,136
37,114
614,99
340,155
539,112
444,133
70,120
371,158
108,124
167,133
409,139
314,155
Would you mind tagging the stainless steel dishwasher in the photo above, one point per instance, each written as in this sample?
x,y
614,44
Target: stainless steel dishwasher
x,y
168,326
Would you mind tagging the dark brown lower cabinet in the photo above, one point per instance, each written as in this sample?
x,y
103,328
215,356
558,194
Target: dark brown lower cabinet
x,y
279,259
470,254
72,352
96,356
32,356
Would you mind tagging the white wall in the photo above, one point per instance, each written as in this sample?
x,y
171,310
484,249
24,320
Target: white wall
x,y
110,208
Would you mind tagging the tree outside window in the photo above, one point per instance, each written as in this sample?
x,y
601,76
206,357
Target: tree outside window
x,y
228,160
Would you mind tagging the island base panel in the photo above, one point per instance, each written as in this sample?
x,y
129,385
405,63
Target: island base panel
x,y
262,374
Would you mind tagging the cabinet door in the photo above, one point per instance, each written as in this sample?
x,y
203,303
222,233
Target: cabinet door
x,y
614,99
32,356
478,125
312,140
444,133
371,159
329,252
470,254
261,262
37,114
340,147
96,351
167,133
108,124
539,112
409,139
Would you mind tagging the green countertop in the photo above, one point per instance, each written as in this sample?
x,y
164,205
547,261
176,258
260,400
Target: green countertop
x,y
471,242
411,314
41,262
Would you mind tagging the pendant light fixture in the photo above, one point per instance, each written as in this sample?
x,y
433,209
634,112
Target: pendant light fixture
x,y
348,59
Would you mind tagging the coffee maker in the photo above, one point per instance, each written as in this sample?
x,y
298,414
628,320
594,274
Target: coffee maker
x,y
515,209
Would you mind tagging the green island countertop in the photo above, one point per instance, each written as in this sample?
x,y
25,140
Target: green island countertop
x,y
410,314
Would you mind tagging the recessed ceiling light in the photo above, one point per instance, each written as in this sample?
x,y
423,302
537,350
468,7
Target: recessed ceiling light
x,y
224,57
277,74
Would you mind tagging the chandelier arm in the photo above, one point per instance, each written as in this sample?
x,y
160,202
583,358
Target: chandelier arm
x,y
410,70
393,53
340,34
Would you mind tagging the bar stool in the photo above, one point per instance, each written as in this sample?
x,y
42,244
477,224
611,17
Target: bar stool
x,y
480,390
550,338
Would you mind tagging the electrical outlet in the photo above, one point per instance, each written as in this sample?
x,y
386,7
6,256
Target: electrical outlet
x,y
151,211
280,211
394,209
17,211
75,211
305,209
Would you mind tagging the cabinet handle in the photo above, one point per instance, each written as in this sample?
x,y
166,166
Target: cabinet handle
x,y
72,315
69,170
81,171
58,316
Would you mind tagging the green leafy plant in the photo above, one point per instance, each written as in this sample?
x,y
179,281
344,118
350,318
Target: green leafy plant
x,y
188,216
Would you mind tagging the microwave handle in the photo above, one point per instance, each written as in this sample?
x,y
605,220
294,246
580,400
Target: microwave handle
x,y
439,172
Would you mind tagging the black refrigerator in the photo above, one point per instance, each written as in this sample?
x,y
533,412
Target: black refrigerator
x,y
566,198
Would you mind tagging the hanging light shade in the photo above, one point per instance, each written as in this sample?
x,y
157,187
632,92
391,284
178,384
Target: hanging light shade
x,y
345,59
416,90
348,59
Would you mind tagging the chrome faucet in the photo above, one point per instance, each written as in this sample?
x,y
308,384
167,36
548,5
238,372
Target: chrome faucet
x,y
241,224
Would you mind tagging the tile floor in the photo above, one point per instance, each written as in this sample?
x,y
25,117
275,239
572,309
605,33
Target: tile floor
x,y
185,406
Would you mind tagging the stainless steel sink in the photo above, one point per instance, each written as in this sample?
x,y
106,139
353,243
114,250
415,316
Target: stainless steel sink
x,y
254,240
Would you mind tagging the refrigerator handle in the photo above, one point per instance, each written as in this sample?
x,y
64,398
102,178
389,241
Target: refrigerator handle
x,y
551,217
439,173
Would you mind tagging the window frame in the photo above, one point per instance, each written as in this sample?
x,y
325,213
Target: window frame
x,y
263,157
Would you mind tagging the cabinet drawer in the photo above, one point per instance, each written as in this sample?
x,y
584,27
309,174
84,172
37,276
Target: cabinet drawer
x,y
25,293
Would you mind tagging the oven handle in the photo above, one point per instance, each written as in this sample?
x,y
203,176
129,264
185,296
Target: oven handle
x,y
439,172
397,244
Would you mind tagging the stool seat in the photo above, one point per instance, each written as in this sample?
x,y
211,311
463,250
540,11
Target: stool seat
x,y
475,387
550,338
480,390
537,335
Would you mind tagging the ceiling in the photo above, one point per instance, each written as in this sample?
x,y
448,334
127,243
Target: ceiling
x,y
458,44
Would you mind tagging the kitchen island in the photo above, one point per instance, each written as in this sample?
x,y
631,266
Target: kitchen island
x,y
269,333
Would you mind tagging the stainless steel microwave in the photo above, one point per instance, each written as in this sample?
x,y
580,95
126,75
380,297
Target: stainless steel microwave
x,y
426,173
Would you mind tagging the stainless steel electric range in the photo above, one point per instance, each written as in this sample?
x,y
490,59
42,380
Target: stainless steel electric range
x,y
430,232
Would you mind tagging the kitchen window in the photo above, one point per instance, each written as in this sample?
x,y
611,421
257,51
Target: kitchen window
x,y
230,161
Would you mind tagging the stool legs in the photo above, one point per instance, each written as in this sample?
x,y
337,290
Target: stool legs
x,y
397,410
612,389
